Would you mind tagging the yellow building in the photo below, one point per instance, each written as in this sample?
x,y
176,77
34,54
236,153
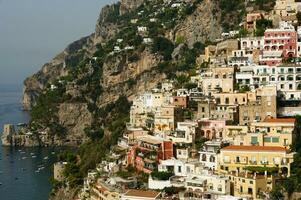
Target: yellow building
x,y
234,158
251,185
271,132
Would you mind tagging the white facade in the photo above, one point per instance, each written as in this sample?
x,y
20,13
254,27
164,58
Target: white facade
x,y
287,79
214,184
251,43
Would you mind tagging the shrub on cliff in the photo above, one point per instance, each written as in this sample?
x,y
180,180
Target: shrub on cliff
x,y
163,46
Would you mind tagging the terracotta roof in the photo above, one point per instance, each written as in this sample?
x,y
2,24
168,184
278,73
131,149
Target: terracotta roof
x,y
142,193
254,148
280,120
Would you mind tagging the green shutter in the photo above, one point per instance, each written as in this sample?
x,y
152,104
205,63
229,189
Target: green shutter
x,y
254,140
267,139
275,140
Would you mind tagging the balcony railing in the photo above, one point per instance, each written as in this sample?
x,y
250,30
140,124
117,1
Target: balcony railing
x,y
264,162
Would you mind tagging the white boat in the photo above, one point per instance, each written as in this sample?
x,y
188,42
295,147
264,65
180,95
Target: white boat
x,y
45,158
33,156
23,158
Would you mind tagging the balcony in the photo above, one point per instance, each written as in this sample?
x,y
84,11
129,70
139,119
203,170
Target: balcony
x,y
253,162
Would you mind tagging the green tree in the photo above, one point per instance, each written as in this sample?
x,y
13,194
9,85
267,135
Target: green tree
x,y
299,18
164,46
276,194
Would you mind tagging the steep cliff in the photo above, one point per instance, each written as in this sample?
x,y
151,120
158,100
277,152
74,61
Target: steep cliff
x,y
115,61
204,24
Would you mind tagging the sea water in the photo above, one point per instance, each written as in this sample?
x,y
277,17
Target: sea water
x,y
24,172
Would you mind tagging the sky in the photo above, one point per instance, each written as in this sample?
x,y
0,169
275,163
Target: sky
x,y
32,32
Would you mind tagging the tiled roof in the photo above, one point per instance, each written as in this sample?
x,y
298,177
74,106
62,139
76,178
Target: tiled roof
x,y
142,193
254,148
280,120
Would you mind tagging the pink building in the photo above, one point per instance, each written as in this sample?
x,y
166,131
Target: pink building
x,y
212,129
279,44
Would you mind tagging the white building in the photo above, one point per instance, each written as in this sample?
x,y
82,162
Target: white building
x,y
209,154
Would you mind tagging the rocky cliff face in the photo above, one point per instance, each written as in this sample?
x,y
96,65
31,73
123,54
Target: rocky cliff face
x,y
75,117
129,5
203,25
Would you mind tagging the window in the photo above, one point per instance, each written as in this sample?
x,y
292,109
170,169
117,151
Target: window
x,y
237,159
250,191
179,169
227,100
203,109
285,142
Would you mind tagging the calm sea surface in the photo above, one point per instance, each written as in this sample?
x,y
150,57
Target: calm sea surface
x,y
19,178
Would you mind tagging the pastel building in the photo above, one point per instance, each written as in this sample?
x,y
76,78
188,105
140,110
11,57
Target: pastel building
x,y
209,154
280,43
272,132
234,159
212,129
251,185
207,186
185,133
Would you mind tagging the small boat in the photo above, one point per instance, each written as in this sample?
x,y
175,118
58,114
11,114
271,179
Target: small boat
x,y
41,168
21,124
46,158
53,153
23,158
33,156
22,152
37,171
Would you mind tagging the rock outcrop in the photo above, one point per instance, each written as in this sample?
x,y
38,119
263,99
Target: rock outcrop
x,y
129,5
75,117
204,24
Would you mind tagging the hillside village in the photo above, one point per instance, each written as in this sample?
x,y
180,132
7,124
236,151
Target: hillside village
x,y
228,130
